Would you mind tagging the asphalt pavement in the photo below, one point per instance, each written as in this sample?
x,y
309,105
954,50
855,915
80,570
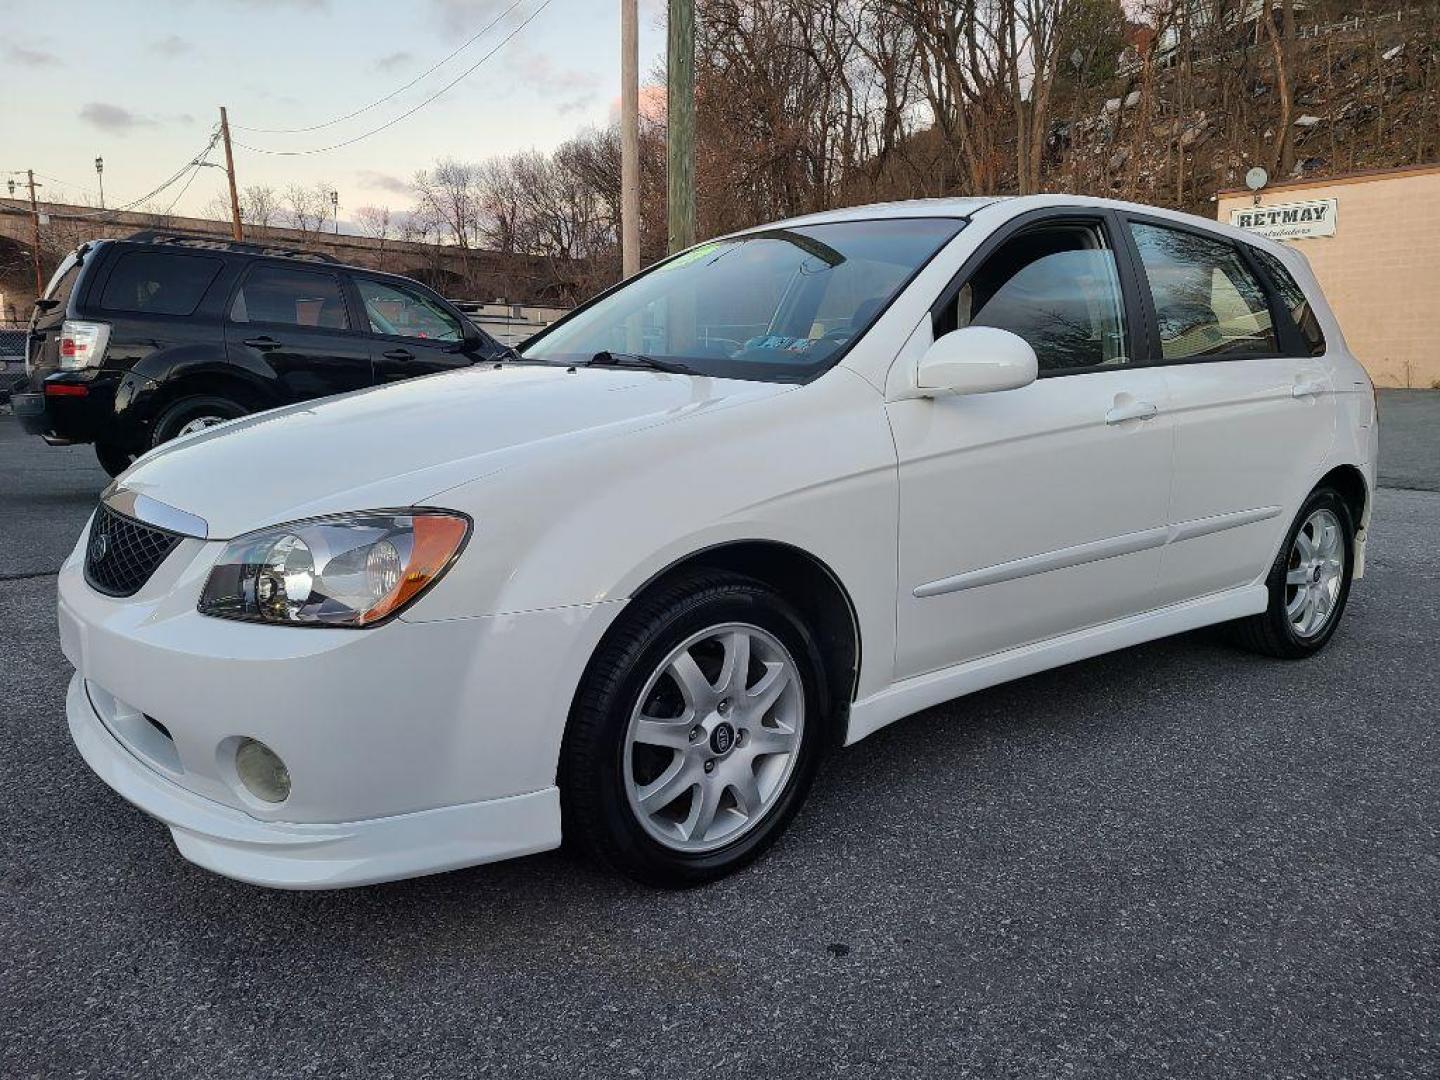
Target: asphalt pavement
x,y
1175,860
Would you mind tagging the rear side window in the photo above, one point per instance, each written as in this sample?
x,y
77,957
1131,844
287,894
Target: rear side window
x,y
159,283
1207,302
1295,301
282,296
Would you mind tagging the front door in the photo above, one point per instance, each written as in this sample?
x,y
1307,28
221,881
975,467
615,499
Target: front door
x,y
1031,513
1254,412
291,325
413,334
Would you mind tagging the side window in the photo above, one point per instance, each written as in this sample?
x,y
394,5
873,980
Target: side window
x,y
1295,302
1207,303
288,297
1055,286
159,283
400,312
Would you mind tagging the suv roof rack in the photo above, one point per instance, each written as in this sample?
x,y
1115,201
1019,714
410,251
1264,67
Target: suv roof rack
x,y
215,243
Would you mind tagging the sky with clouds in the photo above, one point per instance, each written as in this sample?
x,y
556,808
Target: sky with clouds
x,y
139,82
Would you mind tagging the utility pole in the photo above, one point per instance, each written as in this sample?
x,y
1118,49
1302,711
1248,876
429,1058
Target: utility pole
x,y
235,230
629,138
680,122
35,245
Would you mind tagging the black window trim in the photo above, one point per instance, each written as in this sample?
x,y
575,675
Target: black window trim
x,y
1302,349
1137,327
283,264
1280,320
468,330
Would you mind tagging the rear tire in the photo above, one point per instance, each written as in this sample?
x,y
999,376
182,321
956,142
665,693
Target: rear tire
x,y
112,458
1309,582
194,413
674,770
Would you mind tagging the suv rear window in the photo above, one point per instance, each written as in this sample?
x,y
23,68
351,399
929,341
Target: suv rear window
x,y
159,283
62,283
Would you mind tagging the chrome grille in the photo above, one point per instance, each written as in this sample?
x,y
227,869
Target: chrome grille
x,y
123,553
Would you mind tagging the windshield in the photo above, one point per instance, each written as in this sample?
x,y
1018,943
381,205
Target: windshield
x,y
779,305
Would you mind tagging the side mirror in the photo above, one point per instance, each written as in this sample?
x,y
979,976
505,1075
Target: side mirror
x,y
976,360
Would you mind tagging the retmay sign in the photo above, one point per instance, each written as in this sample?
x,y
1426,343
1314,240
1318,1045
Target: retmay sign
x,y
1288,221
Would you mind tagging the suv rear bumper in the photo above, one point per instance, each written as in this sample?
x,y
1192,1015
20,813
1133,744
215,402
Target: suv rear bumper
x,y
29,409
86,413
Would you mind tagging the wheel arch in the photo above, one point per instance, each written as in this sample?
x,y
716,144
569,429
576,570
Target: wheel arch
x,y
150,400
1349,481
808,583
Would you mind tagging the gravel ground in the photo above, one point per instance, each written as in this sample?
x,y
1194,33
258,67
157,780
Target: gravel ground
x,y
1174,860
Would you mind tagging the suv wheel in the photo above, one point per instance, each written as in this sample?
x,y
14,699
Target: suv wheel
x,y
194,414
1309,582
113,459
696,732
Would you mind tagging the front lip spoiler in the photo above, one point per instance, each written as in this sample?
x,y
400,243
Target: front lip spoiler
x,y
141,507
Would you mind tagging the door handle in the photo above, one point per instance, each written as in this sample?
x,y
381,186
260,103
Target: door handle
x,y
264,344
398,354
1130,410
1307,388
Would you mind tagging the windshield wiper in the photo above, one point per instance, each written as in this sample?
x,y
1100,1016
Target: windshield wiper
x,y
606,358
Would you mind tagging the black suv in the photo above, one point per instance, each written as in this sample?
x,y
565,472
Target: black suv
x,y
137,341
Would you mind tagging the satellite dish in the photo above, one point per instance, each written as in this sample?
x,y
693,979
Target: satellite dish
x,y
1256,178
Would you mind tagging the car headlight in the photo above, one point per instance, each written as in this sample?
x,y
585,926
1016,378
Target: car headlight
x,y
352,570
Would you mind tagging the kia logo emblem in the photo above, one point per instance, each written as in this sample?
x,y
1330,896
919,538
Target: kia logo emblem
x,y
722,738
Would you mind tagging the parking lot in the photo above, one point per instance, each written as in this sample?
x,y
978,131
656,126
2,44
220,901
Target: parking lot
x,y
1175,860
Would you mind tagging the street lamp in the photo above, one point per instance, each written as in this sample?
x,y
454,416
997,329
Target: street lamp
x,y
100,177
335,209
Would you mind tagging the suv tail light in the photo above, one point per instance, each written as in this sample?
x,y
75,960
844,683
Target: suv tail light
x,y
82,344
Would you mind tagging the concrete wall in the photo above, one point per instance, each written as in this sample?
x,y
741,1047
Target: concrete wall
x,y
1381,269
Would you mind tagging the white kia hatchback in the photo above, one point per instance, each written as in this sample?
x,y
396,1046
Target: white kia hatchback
x,y
631,584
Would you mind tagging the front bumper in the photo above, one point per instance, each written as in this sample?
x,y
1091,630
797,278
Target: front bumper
x,y
284,855
413,747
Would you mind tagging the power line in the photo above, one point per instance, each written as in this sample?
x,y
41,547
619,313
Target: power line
x,y
199,164
409,112
192,163
381,101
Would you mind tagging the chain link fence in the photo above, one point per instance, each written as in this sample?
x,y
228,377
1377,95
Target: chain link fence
x,y
12,359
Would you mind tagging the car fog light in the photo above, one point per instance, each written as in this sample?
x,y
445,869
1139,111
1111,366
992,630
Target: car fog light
x,y
261,771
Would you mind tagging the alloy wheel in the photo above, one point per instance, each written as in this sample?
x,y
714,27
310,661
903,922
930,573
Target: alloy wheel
x,y
714,737
1315,573
200,423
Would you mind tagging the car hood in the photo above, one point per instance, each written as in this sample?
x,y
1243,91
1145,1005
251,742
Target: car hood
x,y
402,444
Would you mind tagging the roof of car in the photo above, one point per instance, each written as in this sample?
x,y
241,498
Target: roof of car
x,y
1017,204
909,208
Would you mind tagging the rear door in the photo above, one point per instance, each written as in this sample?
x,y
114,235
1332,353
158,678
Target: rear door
x,y
293,325
1254,412
413,334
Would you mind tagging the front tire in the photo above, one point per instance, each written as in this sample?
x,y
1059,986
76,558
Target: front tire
x,y
696,732
1309,582
191,414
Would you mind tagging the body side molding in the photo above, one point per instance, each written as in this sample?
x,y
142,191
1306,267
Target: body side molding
x,y
1109,548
